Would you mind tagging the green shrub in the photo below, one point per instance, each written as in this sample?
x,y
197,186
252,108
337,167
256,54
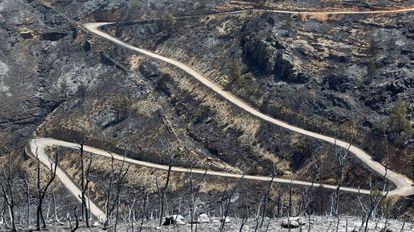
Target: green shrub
x,y
245,80
399,128
243,83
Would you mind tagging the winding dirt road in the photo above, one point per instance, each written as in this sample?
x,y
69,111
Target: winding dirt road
x,y
404,185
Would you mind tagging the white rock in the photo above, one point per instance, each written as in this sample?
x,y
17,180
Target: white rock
x,y
179,219
289,223
203,218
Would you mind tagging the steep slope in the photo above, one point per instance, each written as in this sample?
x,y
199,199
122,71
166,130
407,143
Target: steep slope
x,y
311,70
58,81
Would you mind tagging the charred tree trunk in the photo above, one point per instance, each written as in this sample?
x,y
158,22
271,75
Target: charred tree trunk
x,y
42,191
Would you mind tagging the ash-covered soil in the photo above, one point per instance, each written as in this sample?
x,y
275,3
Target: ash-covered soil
x,y
338,74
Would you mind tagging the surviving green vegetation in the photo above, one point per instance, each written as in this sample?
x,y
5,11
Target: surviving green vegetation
x,y
244,82
399,128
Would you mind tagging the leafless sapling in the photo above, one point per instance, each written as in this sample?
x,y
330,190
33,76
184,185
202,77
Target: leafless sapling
x,y
266,197
75,228
374,200
341,157
6,185
112,202
162,192
192,199
246,211
227,202
263,202
119,186
290,213
194,190
160,202
55,213
144,211
109,192
306,197
28,199
85,180
131,214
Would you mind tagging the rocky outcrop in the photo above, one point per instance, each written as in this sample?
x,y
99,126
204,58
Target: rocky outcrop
x,y
288,68
273,59
261,54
